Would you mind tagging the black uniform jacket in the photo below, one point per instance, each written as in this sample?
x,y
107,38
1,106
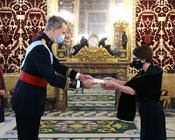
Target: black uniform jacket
x,y
147,86
29,99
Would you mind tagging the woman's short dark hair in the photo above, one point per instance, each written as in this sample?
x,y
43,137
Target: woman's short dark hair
x,y
143,52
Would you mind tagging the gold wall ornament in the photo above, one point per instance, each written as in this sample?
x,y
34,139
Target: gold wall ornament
x,y
122,39
122,73
121,25
61,54
93,70
92,55
131,72
60,95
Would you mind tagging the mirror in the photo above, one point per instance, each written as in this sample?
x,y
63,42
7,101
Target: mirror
x,y
113,19
94,17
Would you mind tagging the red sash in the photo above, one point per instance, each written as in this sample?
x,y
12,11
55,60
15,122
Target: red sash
x,y
33,80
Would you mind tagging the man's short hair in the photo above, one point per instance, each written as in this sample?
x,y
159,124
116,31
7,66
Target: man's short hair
x,y
55,21
143,52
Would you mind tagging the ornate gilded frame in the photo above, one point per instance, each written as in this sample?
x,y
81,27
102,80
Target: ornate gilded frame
x,y
119,30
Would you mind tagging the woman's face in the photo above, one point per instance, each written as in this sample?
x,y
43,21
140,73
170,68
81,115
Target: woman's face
x,y
137,63
138,59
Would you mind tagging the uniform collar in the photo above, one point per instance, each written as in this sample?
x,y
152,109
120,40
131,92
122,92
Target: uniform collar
x,y
49,42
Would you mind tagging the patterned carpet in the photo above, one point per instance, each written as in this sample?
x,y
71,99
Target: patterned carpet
x,y
96,98
83,125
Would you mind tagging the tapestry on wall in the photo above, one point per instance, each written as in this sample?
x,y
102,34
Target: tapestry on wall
x,y
155,22
21,21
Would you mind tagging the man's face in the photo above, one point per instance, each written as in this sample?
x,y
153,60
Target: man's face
x,y
62,31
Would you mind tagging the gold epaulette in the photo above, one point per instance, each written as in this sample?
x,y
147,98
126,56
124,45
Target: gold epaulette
x,y
54,48
43,41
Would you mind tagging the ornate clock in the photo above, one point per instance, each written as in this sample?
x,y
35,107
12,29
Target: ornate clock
x,y
93,40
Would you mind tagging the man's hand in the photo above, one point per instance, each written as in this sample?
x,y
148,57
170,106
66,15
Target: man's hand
x,y
85,76
88,83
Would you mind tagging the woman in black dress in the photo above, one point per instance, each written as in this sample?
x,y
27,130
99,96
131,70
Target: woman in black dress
x,y
145,87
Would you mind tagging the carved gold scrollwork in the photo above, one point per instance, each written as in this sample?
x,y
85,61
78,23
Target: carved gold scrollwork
x,y
60,95
121,26
131,72
61,54
121,73
93,55
122,39
93,70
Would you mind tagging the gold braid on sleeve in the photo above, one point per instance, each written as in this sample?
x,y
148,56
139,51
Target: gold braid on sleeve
x,y
67,84
68,72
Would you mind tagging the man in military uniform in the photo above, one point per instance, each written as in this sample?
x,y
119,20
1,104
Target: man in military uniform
x,y
38,69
